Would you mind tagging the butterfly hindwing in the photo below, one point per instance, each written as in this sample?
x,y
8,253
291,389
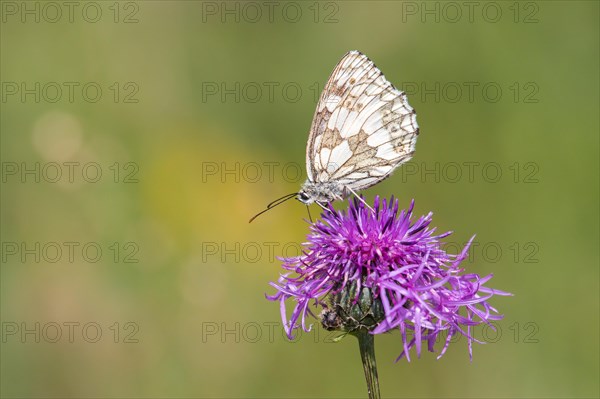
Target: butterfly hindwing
x,y
363,127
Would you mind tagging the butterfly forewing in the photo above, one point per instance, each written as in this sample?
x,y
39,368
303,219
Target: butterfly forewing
x,y
363,127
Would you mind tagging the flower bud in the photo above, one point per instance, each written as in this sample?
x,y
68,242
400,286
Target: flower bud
x,y
350,311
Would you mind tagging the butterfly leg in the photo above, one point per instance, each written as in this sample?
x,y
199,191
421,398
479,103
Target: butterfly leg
x,y
324,207
360,198
309,216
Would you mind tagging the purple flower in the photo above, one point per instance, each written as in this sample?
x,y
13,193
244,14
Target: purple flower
x,y
379,270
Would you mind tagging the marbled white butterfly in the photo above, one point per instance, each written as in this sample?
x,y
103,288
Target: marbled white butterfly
x,y
363,129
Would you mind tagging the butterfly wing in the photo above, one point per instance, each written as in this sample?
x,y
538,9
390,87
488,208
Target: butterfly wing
x,y
363,127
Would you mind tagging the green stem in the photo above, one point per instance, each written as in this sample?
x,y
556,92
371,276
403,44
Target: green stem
x,y
366,342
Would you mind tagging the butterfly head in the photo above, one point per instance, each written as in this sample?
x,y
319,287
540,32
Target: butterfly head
x,y
321,192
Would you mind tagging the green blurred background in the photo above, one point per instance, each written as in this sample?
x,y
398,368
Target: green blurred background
x,y
177,294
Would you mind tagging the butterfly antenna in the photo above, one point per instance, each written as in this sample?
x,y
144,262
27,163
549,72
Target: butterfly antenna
x,y
273,204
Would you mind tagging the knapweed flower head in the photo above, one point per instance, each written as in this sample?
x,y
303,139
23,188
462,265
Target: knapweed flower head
x,y
380,270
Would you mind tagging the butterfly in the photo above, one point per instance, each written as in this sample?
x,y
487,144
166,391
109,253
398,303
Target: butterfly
x,y
362,130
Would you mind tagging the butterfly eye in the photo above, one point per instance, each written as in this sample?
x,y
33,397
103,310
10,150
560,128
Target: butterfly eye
x,y
304,198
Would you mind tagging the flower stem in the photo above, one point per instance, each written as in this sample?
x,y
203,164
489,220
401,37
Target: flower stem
x,y
366,343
